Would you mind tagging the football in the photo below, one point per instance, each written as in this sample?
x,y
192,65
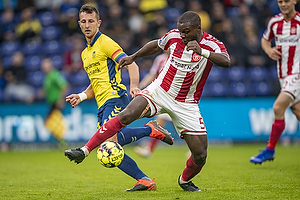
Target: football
x,y
110,154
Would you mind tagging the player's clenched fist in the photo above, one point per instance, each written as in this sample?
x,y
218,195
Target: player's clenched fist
x,y
193,45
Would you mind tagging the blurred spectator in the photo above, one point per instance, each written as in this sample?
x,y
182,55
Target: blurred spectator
x,y
244,22
117,24
8,20
7,25
72,57
217,16
55,86
235,49
149,7
17,87
196,6
28,28
68,22
11,4
157,23
254,53
23,4
68,17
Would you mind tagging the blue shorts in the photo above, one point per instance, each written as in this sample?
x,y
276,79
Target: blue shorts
x,y
111,108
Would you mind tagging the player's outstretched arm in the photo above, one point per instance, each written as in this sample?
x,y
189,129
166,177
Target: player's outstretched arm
x,y
148,49
75,99
220,59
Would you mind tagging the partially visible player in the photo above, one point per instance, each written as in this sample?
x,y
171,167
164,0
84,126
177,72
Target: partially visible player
x,y
285,29
162,119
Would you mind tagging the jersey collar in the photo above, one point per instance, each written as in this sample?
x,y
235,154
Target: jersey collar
x,y
95,39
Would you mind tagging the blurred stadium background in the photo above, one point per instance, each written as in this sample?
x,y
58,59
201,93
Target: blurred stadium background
x,y
236,102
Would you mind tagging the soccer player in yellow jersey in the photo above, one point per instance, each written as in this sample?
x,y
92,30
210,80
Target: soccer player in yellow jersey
x,y
100,60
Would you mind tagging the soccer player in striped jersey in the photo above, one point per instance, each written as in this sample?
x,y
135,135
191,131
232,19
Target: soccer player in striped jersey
x,y
176,90
100,60
285,29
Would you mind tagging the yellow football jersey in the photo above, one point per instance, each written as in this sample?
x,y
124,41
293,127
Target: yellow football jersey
x,y
100,61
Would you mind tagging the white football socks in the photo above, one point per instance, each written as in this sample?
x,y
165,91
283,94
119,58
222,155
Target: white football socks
x,y
181,181
86,152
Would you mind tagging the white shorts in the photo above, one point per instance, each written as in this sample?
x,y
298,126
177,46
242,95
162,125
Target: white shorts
x,y
290,85
186,117
164,116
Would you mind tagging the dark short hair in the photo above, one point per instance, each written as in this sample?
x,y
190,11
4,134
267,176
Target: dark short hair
x,y
190,17
87,8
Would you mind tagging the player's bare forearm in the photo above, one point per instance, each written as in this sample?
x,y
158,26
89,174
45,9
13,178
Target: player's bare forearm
x,y
89,92
134,75
220,59
148,49
272,52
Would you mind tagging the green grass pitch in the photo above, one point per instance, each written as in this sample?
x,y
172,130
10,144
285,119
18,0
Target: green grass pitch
x,y
228,174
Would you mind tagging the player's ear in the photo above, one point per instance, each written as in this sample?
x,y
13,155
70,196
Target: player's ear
x,y
99,23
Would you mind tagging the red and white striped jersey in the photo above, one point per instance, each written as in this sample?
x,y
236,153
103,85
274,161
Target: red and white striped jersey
x,y
185,72
287,38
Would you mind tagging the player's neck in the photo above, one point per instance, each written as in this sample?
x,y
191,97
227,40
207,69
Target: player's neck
x,y
90,40
290,15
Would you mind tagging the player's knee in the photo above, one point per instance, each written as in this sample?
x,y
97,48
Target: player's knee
x,y
200,157
126,117
278,110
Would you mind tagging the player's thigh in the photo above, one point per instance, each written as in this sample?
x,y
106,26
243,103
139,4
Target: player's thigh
x,y
281,103
134,110
197,144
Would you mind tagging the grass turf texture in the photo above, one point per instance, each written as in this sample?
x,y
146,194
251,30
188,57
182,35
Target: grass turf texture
x,y
228,174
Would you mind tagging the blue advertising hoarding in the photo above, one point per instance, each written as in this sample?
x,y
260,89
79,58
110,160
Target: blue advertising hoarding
x,y
236,119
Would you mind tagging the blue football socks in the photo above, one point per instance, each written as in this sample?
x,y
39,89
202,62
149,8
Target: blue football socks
x,y
130,167
128,135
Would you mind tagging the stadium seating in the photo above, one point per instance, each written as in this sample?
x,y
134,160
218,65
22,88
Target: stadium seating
x,y
6,61
31,48
236,73
33,62
35,78
50,33
8,48
262,88
216,74
57,61
78,79
239,89
47,18
258,73
273,72
218,89
52,47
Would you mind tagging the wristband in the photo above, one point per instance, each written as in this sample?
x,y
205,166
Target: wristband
x,y
205,53
82,96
